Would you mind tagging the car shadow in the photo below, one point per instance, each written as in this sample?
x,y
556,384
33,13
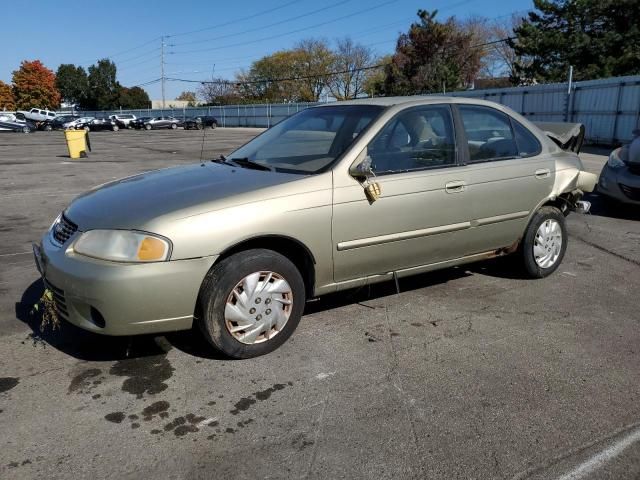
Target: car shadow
x,y
88,346
601,206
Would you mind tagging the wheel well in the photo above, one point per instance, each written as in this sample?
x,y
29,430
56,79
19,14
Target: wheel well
x,y
294,250
564,203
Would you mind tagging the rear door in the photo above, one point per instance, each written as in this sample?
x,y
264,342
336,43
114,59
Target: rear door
x,y
505,176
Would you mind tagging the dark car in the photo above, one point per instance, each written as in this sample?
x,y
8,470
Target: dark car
x,y
102,123
58,122
161,122
14,125
209,121
193,123
138,123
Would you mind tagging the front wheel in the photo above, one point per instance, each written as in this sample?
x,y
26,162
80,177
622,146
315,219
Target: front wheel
x,y
251,303
173,126
147,127
545,242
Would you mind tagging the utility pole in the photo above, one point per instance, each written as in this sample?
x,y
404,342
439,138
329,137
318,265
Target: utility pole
x,y
162,68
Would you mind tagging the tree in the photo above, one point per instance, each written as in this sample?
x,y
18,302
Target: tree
x,y
7,100
34,85
433,56
599,38
219,91
189,97
315,62
374,83
72,83
350,59
131,98
103,88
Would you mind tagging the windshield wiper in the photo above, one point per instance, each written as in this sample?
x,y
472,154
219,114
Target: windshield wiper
x,y
246,163
222,159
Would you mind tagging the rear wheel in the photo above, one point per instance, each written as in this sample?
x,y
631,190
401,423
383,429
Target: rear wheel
x,y
26,129
214,125
545,242
251,303
174,126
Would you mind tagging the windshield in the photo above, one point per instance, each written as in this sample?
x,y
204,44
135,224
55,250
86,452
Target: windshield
x,y
309,141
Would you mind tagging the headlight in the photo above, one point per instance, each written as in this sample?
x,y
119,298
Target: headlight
x,y
614,159
123,246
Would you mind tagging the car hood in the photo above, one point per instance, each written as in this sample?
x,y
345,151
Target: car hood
x,y
136,202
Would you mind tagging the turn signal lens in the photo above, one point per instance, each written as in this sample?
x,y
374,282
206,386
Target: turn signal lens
x,y
152,249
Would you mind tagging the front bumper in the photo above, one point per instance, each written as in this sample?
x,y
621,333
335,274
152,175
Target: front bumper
x,y
129,299
620,184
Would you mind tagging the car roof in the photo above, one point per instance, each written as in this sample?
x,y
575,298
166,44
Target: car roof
x,y
411,100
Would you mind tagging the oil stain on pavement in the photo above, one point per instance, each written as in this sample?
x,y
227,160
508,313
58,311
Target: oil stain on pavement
x,y
7,383
144,375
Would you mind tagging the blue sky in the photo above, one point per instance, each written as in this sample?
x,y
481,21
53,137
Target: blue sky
x,y
205,36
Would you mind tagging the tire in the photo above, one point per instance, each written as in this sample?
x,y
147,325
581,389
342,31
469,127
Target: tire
x,y
115,128
47,128
26,129
214,125
173,126
87,128
147,127
545,242
222,309
198,126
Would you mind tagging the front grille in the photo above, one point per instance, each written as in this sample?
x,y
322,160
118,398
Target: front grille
x,y
63,229
58,299
632,193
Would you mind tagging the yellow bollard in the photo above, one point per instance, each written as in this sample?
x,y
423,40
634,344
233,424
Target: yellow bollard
x,y
77,143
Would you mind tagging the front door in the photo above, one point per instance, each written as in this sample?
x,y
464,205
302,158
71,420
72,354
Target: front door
x,y
421,215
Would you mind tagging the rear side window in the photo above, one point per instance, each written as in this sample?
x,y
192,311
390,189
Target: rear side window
x,y
489,134
528,144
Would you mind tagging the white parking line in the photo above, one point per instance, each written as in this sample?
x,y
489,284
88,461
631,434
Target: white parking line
x,y
600,459
14,254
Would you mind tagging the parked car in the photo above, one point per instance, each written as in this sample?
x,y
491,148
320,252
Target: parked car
x,y
78,123
139,122
161,122
209,121
59,122
194,123
102,123
334,197
123,120
9,123
38,114
620,176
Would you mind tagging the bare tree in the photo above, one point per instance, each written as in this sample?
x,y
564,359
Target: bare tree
x,y
350,58
218,91
316,61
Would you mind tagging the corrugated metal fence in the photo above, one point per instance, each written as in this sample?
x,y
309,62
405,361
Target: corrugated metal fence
x,y
609,108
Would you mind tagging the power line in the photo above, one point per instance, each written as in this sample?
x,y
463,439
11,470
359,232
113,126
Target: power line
x,y
263,27
230,22
343,17
308,77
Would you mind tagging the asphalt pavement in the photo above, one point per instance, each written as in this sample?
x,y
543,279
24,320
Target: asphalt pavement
x,y
472,372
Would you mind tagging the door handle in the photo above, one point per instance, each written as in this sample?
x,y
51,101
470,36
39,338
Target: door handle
x,y
455,187
543,173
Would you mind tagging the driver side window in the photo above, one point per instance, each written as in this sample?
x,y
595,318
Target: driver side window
x,y
417,139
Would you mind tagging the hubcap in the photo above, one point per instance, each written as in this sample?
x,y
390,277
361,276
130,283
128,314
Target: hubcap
x,y
547,244
258,307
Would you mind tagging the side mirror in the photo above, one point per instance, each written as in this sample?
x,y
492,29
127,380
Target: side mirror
x,y
361,168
